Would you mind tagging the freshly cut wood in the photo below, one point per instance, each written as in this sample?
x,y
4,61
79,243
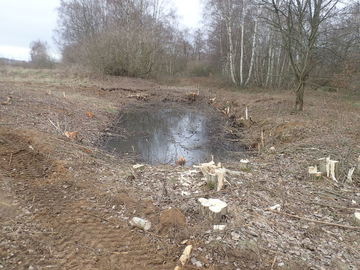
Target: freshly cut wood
x,y
138,166
349,175
213,209
208,167
314,174
214,174
220,175
357,217
140,223
219,227
329,167
313,169
276,207
185,255
323,165
334,169
244,164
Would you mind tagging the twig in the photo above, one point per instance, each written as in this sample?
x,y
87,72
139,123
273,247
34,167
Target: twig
x,y
332,206
101,218
56,127
6,204
273,263
316,221
11,156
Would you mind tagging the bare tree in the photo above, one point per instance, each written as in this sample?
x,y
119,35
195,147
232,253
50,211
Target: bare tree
x,y
199,44
120,37
39,55
298,22
233,24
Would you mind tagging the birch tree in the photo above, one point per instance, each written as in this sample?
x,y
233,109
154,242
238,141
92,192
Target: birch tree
x,y
242,26
252,59
227,13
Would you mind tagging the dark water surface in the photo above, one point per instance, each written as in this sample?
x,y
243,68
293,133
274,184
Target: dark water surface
x,y
162,136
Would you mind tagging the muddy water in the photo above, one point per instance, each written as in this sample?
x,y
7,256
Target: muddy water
x,y
162,136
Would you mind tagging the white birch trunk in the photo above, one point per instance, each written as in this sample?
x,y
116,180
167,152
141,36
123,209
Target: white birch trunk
x,y
231,52
269,66
252,52
242,44
272,60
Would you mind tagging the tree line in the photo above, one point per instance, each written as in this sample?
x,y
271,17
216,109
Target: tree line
x,y
285,43
250,43
123,37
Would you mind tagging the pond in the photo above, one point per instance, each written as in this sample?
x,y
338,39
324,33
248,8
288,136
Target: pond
x,y
162,136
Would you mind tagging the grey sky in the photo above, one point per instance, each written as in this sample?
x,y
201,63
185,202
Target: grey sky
x,y
23,21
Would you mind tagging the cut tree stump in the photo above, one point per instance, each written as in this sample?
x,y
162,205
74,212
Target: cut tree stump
x,y
329,167
220,178
314,174
213,209
244,164
214,174
350,175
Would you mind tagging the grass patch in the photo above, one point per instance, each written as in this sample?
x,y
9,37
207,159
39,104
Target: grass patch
x,y
356,104
245,169
111,110
210,185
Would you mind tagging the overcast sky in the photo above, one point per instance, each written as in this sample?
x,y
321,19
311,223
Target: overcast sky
x,y
23,21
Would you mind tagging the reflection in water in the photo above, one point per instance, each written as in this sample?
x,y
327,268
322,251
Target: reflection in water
x,y
163,136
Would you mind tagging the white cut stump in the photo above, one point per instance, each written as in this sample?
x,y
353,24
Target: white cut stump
x,y
213,209
329,167
214,174
314,174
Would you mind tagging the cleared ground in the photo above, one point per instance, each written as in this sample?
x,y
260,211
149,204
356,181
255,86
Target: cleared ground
x,y
65,204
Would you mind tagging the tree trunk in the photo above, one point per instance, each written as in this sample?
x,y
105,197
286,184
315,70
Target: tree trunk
x,y
231,53
242,44
299,103
281,73
269,63
252,52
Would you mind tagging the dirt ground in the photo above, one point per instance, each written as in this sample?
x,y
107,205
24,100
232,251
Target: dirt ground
x,y
66,204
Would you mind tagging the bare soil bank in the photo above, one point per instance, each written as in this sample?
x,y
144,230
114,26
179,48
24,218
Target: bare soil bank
x,y
65,204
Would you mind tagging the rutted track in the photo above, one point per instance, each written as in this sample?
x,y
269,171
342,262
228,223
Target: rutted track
x,y
72,231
